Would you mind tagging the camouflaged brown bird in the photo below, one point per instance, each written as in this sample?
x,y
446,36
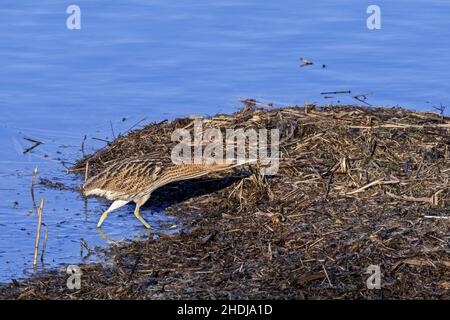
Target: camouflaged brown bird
x,y
135,179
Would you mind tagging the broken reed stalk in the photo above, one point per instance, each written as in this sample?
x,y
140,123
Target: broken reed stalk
x,y
374,183
44,244
82,145
437,217
35,144
86,171
337,92
38,232
35,172
85,245
112,130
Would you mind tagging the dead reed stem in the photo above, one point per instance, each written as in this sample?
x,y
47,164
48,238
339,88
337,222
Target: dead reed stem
x,y
38,232
86,172
33,182
44,244
374,183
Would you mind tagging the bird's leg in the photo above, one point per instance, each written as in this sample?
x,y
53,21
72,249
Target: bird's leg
x,y
137,215
115,205
102,218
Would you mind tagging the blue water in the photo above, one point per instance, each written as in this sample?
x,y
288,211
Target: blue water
x,y
161,59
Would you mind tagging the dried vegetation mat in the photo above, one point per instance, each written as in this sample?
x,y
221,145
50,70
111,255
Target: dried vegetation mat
x,y
356,187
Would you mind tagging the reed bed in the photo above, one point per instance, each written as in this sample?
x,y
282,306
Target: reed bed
x,y
356,187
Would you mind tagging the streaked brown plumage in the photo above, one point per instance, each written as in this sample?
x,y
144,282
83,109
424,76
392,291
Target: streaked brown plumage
x,y
136,178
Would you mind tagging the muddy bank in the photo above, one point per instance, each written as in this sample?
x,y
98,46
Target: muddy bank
x,y
356,187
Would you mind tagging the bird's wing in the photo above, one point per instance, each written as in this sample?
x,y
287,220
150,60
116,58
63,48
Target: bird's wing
x,y
125,176
188,171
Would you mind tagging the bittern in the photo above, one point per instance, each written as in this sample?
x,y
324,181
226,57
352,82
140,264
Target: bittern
x,y
135,179
306,62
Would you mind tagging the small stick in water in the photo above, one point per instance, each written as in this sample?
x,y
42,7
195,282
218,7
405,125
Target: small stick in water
x,y
44,245
35,144
35,172
112,129
82,146
86,172
362,98
38,232
437,217
336,92
136,124
85,245
103,140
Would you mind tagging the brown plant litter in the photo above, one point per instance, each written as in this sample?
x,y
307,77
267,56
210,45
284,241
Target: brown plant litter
x,y
356,187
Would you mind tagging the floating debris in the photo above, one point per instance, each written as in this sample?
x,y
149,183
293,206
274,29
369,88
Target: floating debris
x,y
33,183
362,98
337,92
35,144
306,62
38,232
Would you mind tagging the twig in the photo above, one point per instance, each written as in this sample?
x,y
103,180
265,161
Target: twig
x,y
136,124
441,110
361,100
406,198
405,126
85,245
77,170
35,172
32,140
112,129
257,103
326,274
86,172
44,245
35,144
336,92
82,146
362,95
38,232
103,140
374,183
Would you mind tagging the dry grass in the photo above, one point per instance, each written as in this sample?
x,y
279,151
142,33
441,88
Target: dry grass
x,y
356,187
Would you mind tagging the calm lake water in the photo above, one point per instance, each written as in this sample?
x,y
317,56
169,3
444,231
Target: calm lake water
x,y
162,59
